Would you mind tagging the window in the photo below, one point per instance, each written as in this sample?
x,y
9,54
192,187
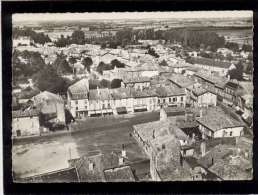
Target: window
x,y
174,99
164,100
230,133
103,106
158,101
169,99
76,102
18,133
85,101
182,99
86,107
76,108
109,105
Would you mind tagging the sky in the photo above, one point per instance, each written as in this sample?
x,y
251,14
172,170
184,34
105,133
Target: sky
x,y
127,15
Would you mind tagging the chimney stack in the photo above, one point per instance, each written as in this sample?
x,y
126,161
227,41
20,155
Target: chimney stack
x,y
91,166
123,151
203,148
121,161
228,77
201,113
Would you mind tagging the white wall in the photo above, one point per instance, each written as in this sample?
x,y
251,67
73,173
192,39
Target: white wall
x,y
27,126
82,105
207,99
150,73
236,132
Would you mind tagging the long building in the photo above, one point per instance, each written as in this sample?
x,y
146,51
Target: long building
x,y
83,102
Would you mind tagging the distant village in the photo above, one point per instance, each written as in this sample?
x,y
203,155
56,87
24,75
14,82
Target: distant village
x,y
204,128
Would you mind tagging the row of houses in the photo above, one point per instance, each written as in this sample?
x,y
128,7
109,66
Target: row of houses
x,y
83,102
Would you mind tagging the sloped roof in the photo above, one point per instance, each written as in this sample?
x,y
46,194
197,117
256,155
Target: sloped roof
x,y
105,168
174,172
160,132
209,62
121,93
47,96
26,113
165,91
119,174
216,119
100,94
180,80
135,79
82,86
64,175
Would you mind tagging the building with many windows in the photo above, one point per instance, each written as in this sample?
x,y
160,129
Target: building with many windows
x,y
78,98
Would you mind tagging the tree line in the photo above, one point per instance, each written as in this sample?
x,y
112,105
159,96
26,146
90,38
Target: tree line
x,y
40,38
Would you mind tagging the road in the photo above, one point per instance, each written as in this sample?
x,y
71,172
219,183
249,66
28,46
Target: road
x,y
37,155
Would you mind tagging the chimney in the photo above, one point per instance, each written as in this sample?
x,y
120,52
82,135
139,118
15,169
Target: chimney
x,y
203,148
201,113
153,134
120,161
91,166
228,77
123,151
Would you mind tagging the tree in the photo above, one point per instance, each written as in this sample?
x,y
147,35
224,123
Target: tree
x,y
237,73
40,38
104,83
62,66
117,63
163,63
232,46
78,37
229,57
87,62
33,62
116,83
62,41
102,66
48,79
247,48
152,52
72,61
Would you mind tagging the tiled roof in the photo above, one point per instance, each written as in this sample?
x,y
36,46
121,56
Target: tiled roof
x,y
134,79
121,93
174,172
28,94
198,90
163,132
216,119
100,94
119,174
209,62
80,87
47,96
148,92
64,175
26,113
169,91
217,80
180,80
105,168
